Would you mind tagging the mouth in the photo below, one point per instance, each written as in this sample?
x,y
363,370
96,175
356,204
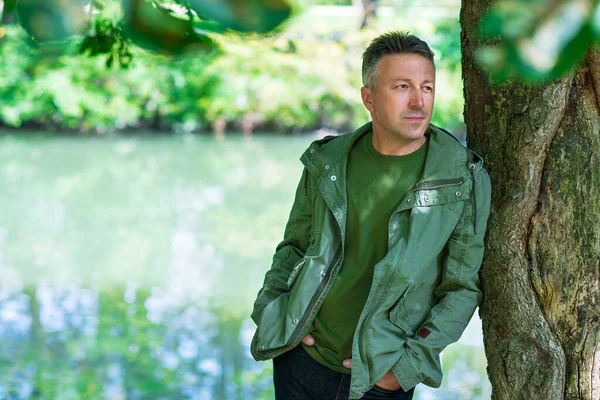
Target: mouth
x,y
414,119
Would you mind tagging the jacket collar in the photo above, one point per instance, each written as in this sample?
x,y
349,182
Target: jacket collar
x,y
446,158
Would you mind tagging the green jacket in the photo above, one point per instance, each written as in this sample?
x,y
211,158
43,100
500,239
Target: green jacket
x,y
424,291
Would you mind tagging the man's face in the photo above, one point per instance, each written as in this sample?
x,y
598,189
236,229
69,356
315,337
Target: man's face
x,y
402,101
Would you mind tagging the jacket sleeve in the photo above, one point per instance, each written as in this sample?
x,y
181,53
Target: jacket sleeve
x,y
457,295
295,242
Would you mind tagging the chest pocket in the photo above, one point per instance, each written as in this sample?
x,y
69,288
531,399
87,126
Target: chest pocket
x,y
448,194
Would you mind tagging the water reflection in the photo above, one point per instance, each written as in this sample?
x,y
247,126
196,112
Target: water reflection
x,y
128,267
123,342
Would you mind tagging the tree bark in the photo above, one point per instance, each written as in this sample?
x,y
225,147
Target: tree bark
x,y
540,276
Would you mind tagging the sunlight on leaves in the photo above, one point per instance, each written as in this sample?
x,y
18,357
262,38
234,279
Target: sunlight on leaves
x,y
537,40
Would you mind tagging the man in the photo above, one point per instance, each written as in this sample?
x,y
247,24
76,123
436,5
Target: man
x,y
378,269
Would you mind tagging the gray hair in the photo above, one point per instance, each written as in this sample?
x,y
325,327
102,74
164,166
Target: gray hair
x,y
386,44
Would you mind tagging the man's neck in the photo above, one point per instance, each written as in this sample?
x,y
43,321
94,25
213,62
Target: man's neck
x,y
397,148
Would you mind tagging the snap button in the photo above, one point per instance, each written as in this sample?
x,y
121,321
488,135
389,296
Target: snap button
x,y
261,347
327,167
323,273
427,198
472,166
333,177
458,194
312,151
409,201
295,321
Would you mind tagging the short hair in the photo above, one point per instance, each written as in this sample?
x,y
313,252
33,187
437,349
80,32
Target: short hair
x,y
390,43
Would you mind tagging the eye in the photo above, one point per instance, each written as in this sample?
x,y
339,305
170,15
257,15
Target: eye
x,y
427,89
402,86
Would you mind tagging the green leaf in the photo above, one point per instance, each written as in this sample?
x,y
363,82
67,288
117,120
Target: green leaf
x,y
491,25
595,23
51,20
208,26
511,19
10,5
574,51
504,61
109,61
244,15
537,43
8,12
519,66
491,57
102,40
157,29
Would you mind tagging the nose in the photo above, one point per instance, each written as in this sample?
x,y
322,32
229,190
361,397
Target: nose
x,y
416,99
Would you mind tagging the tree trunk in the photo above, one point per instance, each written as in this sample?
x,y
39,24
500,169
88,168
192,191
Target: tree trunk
x,y
367,9
541,307
37,353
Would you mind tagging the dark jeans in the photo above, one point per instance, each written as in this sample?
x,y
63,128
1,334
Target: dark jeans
x,y
298,377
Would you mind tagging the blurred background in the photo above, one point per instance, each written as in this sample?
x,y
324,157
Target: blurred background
x,y
145,184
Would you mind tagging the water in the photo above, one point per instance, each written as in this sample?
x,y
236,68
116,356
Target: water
x,y
128,267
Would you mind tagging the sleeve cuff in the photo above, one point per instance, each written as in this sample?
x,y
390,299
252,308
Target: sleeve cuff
x,y
405,372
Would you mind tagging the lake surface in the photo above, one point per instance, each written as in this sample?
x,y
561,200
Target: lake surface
x,y
129,264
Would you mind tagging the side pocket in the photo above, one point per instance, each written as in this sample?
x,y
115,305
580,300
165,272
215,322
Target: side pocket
x,y
295,272
398,315
313,248
271,331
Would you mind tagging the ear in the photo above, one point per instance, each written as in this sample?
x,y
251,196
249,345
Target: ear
x,y
367,98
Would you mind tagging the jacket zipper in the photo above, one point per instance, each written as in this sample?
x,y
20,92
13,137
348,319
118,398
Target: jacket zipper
x,y
315,297
313,301
437,184
293,337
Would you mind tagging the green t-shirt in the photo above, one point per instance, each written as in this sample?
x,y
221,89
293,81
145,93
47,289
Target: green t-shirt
x,y
376,184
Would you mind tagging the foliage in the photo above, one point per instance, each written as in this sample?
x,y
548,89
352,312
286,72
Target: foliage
x,y
537,40
281,83
327,2
307,82
167,26
78,92
291,80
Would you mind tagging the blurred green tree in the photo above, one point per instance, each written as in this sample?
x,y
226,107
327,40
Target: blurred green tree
x,y
197,83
